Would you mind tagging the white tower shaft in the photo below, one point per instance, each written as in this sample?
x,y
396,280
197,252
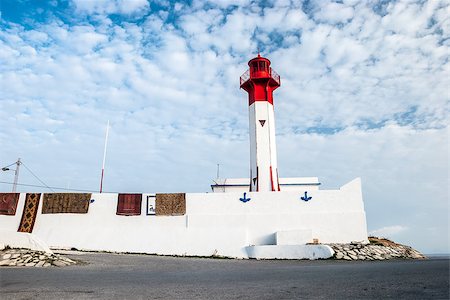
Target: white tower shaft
x,y
263,153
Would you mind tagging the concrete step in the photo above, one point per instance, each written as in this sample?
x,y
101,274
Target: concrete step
x,y
310,252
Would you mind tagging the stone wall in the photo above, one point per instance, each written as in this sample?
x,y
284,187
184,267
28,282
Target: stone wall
x,y
377,249
31,258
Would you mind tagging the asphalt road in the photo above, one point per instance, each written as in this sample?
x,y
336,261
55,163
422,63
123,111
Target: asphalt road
x,y
114,276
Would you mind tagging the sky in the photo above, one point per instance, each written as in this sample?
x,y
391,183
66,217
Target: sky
x,y
364,93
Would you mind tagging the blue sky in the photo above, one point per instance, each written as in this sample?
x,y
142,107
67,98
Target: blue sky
x,y
364,93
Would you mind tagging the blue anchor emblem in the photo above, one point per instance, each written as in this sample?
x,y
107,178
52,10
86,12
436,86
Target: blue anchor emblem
x,y
306,198
245,199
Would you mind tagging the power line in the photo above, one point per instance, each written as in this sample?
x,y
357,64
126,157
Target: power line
x,y
37,177
9,165
52,187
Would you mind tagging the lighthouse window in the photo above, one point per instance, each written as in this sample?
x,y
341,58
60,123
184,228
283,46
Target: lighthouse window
x,y
255,67
262,66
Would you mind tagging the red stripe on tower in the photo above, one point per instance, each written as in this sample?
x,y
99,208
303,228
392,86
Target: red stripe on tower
x,y
278,180
271,179
251,178
257,179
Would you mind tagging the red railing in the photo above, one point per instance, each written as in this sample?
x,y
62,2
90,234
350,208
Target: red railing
x,y
245,76
273,74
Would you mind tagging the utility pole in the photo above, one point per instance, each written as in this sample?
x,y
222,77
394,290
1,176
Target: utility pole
x,y
16,175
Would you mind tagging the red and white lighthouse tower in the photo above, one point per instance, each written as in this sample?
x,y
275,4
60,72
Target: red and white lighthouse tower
x,y
260,81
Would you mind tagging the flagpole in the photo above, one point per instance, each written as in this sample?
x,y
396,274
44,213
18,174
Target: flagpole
x,y
104,157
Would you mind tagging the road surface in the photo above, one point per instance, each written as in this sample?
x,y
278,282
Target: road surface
x,y
120,276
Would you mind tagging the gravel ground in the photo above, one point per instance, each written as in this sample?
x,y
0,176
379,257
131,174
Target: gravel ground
x,y
121,276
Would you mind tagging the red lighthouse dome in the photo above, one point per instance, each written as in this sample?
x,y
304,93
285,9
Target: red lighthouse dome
x,y
260,80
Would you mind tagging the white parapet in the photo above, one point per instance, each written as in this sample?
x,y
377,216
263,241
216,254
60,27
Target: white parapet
x,y
310,252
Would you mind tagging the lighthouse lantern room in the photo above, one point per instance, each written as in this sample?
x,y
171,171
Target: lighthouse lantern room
x,y
259,81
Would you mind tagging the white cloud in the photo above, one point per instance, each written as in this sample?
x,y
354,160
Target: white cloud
x,y
131,6
334,13
111,6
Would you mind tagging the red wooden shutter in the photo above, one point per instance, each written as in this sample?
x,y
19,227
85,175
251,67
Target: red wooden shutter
x,y
129,204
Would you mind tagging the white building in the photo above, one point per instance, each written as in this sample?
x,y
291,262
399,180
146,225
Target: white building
x,y
257,224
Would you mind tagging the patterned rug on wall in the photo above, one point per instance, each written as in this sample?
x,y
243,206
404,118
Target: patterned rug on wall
x,y
173,204
129,204
60,203
8,203
30,210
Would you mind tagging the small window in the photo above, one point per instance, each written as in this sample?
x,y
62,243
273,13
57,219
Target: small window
x,y
262,66
255,67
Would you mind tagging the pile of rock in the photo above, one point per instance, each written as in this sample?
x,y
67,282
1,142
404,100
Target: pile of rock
x,y
380,249
31,258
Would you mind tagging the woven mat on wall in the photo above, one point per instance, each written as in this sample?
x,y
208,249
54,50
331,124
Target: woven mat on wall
x,y
129,204
8,203
170,204
30,210
57,203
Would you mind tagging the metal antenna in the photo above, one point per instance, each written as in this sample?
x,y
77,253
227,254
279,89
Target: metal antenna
x,y
218,170
104,157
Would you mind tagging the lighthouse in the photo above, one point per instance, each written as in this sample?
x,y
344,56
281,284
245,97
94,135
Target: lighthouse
x,y
259,81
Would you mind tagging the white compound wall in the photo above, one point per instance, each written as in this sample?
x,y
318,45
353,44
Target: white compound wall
x,y
214,224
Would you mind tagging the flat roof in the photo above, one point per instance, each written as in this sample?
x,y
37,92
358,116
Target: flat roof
x,y
283,181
